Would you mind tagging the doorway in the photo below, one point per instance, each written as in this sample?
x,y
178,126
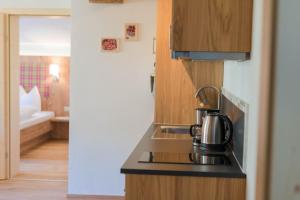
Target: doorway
x,y
37,66
44,68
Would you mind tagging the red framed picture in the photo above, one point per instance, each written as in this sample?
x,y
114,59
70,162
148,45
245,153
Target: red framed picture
x,y
131,32
110,44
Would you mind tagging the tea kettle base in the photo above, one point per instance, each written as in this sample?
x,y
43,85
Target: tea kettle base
x,y
213,147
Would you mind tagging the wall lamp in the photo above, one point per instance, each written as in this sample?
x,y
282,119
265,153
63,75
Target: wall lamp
x,y
54,71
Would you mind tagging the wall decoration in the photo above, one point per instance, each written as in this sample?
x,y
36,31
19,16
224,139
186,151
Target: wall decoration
x,y
131,32
110,45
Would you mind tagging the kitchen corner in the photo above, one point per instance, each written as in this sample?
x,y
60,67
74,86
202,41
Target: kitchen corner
x,y
166,164
195,147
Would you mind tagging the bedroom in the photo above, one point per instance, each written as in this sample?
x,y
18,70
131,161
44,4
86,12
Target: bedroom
x,y
44,71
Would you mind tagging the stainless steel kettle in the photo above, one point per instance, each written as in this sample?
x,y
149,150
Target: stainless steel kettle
x,y
196,129
217,130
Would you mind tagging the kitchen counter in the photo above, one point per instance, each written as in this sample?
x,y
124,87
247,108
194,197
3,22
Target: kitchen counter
x,y
181,146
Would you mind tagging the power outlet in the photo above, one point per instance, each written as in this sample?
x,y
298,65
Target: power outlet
x,y
66,109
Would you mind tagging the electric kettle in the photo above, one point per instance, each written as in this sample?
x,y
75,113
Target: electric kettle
x,y
196,129
217,130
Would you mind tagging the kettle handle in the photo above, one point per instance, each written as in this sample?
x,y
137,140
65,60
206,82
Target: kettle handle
x,y
191,157
229,129
192,129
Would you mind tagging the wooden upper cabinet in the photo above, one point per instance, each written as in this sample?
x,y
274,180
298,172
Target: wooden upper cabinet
x,y
211,25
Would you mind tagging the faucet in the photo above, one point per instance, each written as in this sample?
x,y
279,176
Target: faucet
x,y
204,100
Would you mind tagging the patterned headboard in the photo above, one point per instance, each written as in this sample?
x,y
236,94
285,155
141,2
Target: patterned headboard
x,y
36,75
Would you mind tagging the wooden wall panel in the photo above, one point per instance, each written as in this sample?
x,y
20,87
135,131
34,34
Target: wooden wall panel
x,y
176,80
59,91
151,187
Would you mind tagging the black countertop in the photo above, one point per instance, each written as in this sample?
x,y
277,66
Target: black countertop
x,y
147,144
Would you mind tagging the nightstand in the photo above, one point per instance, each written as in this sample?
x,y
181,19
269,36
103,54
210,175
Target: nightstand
x,y
60,128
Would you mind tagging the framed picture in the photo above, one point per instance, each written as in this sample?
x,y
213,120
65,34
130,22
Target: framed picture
x,y
110,45
131,32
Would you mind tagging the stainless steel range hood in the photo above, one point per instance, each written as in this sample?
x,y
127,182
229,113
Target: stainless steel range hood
x,y
197,55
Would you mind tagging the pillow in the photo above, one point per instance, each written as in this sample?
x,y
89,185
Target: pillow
x,y
21,91
33,98
26,112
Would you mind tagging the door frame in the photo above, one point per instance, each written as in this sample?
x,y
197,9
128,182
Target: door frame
x,y
267,82
4,126
9,52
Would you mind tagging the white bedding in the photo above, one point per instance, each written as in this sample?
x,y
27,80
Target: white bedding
x,y
36,118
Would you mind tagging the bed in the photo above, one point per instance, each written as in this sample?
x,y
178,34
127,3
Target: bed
x,y
35,130
35,125
36,118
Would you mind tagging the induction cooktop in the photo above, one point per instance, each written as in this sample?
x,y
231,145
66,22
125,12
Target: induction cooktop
x,y
196,158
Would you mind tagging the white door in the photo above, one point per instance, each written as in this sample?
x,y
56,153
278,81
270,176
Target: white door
x,y
4,99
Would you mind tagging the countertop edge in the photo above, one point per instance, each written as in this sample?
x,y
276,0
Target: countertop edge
x,y
126,169
182,173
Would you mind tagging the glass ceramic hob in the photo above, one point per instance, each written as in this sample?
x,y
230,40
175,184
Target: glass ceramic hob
x,y
196,158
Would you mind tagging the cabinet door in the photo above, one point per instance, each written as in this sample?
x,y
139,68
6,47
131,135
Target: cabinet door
x,y
154,187
212,25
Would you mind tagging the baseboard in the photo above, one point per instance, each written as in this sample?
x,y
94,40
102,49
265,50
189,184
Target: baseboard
x,y
96,197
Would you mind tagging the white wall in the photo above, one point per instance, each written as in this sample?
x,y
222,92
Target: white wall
x,y
285,164
111,103
45,36
35,4
242,79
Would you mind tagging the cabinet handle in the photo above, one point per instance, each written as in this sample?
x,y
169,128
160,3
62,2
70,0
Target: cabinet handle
x,y
152,82
152,79
154,45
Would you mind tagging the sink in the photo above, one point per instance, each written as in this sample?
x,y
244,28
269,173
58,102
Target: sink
x,y
172,132
175,129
